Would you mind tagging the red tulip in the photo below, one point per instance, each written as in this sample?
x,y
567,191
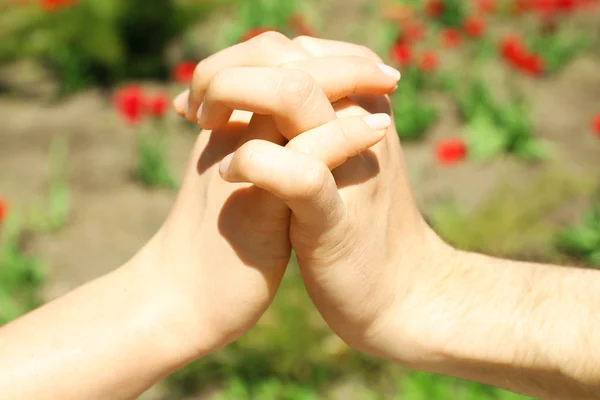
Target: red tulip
x,y
413,32
566,5
53,5
433,8
486,6
158,105
451,151
129,101
401,53
533,64
183,72
450,38
3,209
252,33
513,49
474,26
596,125
429,61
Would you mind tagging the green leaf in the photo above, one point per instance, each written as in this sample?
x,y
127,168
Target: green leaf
x,y
530,150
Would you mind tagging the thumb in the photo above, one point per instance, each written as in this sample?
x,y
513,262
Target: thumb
x,y
300,173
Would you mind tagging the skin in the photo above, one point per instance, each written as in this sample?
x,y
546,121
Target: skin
x,y
213,268
377,273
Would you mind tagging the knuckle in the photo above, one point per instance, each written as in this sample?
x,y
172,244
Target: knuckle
x,y
217,84
269,39
302,40
199,71
296,89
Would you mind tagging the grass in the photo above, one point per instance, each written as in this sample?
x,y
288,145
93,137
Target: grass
x,y
511,219
21,275
153,169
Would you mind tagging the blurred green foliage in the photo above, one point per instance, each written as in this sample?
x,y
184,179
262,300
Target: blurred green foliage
x,y
153,153
495,128
510,219
52,212
98,42
583,240
21,275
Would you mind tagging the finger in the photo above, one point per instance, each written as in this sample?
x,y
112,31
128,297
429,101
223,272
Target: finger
x,y
302,182
337,141
292,97
180,102
266,50
323,48
342,76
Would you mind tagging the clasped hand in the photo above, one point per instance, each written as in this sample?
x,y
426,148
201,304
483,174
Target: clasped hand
x,y
286,160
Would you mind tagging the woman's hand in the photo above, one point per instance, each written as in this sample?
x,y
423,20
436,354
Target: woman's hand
x,y
214,266
224,248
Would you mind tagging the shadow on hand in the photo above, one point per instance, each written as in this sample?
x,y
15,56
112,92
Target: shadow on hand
x,y
221,142
357,170
256,225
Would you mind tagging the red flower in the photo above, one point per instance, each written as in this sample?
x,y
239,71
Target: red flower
x,y
129,101
533,64
450,38
434,8
413,32
3,209
596,125
513,49
429,61
158,105
474,26
183,72
486,6
566,5
451,151
53,5
401,53
252,33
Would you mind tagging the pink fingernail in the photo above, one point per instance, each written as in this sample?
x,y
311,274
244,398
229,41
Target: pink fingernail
x,y
390,71
225,163
180,101
378,121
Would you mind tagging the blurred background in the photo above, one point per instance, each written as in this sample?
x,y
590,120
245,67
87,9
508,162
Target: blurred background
x,y
498,112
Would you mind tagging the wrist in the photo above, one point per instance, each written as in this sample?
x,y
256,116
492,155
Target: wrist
x,y
168,312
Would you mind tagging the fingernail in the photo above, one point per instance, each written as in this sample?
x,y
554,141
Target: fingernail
x,y
225,163
187,109
390,71
378,121
199,113
180,101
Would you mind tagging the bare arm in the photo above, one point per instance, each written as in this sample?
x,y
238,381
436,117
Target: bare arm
x,y
110,339
526,327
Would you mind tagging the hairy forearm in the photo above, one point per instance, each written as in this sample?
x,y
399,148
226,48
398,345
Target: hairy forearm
x,y
526,327
110,339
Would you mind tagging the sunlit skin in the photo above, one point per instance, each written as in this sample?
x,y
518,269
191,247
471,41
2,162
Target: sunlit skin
x,y
259,181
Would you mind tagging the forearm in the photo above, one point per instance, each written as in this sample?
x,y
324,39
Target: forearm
x,y
110,339
526,327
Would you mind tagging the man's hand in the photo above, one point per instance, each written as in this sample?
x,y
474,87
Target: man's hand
x,y
386,283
